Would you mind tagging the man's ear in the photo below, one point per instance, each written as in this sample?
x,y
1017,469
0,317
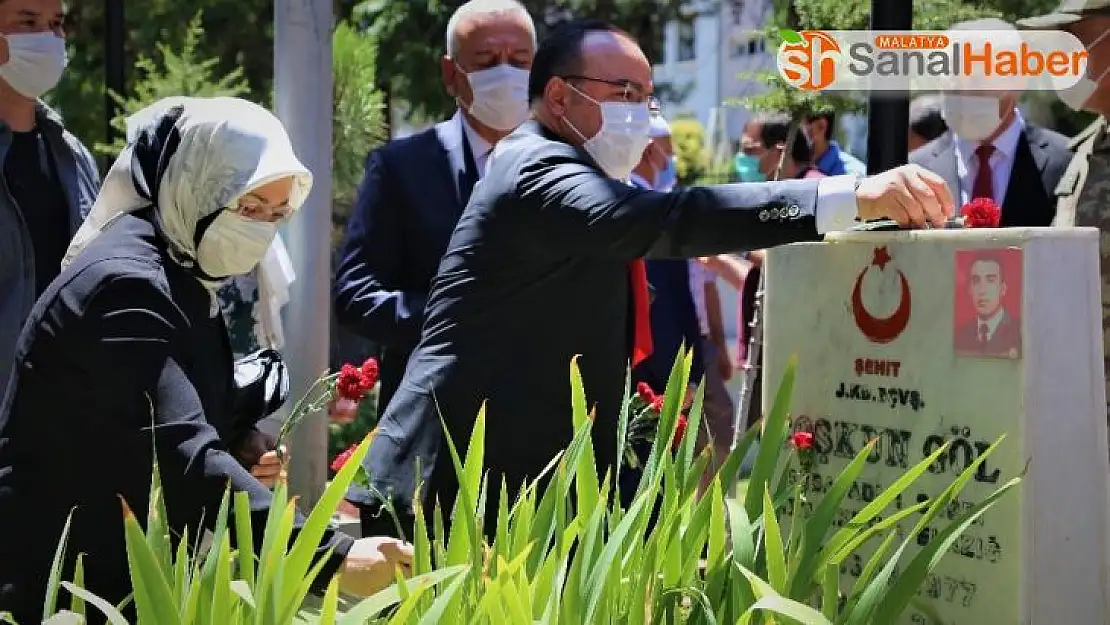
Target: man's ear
x,y
448,70
555,95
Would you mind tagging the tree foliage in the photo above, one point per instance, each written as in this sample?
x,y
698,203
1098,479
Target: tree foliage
x,y
238,33
179,70
411,37
358,124
691,158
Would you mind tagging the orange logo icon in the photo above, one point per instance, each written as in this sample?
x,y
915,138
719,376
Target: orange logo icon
x,y
807,60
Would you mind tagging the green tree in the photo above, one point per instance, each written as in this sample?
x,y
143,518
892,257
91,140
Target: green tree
x,y
239,33
691,158
359,124
411,39
180,70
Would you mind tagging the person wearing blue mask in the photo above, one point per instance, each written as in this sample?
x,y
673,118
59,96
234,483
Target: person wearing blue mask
x,y
761,150
762,145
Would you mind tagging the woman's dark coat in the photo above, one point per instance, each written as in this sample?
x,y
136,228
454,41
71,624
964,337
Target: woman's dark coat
x,y
123,339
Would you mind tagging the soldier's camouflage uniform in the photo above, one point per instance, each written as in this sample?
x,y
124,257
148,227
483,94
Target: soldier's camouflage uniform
x,y
1083,200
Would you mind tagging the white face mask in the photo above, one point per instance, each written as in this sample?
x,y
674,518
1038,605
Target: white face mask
x,y
972,117
500,96
1077,95
619,145
232,245
35,62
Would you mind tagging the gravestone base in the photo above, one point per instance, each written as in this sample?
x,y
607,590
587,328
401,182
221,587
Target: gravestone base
x,y
918,338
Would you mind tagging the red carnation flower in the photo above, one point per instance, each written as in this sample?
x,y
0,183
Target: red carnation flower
x,y
981,213
643,389
370,371
679,432
352,384
657,403
802,440
343,457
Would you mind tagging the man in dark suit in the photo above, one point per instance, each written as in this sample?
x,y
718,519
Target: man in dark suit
x,y
544,265
415,188
993,152
995,331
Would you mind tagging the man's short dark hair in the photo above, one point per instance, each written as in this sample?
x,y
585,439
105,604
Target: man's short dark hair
x,y
989,257
829,116
774,128
560,53
926,119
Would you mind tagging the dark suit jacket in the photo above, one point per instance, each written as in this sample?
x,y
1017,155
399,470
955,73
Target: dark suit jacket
x,y
406,208
1040,161
1006,338
120,343
674,324
537,272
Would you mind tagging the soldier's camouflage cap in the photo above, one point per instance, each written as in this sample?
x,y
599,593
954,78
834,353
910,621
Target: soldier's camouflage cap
x,y
1069,12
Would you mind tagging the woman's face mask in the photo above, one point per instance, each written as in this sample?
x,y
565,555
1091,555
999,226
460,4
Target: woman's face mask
x,y
233,244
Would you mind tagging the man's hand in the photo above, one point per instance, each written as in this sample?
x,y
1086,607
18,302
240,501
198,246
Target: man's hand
x,y
256,452
910,195
370,565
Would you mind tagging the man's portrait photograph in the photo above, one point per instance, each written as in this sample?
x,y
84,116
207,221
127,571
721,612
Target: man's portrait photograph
x,y
987,316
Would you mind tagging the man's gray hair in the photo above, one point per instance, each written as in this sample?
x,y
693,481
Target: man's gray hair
x,y
483,8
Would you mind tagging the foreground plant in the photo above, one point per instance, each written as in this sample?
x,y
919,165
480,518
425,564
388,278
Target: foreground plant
x,y
568,552
229,585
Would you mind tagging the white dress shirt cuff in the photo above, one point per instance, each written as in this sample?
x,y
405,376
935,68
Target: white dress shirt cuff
x,y
836,203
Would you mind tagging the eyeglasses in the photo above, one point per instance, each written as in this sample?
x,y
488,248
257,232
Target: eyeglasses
x,y
631,90
261,212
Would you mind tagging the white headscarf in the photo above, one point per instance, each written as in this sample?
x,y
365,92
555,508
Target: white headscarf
x,y
227,147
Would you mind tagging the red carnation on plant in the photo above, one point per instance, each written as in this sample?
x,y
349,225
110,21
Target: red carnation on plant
x,y
370,371
981,212
341,459
802,440
643,389
354,383
657,403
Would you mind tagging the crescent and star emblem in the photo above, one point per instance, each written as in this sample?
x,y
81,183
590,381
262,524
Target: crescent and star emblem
x,y
881,329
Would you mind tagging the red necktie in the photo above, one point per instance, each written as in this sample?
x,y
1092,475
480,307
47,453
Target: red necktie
x,y
641,304
984,177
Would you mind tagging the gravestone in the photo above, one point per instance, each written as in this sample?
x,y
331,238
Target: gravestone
x,y
917,338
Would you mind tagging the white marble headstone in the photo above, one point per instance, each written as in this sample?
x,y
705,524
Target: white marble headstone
x,y
964,335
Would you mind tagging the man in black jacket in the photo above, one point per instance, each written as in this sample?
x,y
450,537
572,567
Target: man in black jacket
x,y
545,265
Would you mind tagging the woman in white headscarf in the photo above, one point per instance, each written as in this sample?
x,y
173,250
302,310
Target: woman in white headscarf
x,y
129,336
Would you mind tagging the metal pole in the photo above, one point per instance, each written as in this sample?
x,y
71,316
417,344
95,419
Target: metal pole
x,y
303,102
115,74
889,116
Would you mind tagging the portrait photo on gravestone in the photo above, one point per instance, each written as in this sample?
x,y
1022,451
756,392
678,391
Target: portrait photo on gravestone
x,y
987,303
